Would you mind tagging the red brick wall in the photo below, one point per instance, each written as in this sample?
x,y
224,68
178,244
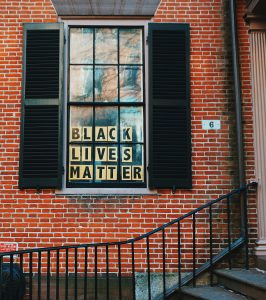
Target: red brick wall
x,y
35,219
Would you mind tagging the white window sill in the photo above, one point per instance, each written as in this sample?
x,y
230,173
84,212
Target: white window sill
x,y
106,191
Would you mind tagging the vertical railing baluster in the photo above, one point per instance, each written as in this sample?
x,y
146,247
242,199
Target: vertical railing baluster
x,y
164,283
1,271
133,271
107,271
39,275
119,272
210,246
48,275
179,254
149,267
57,274
30,277
194,249
86,273
245,212
11,270
1,264
76,274
229,232
66,275
95,273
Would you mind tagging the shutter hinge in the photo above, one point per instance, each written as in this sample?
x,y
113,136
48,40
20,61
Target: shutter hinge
x,y
63,170
64,39
147,40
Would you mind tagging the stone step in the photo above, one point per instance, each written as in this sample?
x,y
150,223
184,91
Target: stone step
x,y
251,283
208,293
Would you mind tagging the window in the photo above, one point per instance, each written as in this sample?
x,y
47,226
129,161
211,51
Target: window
x,y
106,103
108,106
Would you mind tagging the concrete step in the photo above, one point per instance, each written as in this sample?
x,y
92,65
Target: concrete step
x,y
208,293
251,283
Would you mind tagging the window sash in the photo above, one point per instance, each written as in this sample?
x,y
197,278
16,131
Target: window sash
x,y
94,104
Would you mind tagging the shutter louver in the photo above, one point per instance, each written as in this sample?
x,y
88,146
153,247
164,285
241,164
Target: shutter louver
x,y
40,150
169,107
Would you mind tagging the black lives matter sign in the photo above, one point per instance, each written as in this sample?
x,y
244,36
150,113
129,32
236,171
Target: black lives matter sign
x,y
101,162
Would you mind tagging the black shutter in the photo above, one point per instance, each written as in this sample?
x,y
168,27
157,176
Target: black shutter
x,y
42,92
169,106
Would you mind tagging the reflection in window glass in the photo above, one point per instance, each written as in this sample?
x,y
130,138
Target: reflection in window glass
x,y
131,124
81,116
106,45
131,87
106,99
130,46
81,45
81,124
81,83
106,84
106,116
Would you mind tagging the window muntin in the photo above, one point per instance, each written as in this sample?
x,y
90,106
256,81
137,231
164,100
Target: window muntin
x,y
106,107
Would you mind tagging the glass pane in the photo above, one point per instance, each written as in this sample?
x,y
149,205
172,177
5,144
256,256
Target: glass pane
x,y
131,84
106,84
81,46
131,124
130,46
106,46
81,83
81,121
106,131
132,162
106,116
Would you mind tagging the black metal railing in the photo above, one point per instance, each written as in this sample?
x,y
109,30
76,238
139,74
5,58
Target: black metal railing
x,y
151,266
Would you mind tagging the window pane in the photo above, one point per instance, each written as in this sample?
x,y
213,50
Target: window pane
x,y
81,83
106,84
131,124
130,46
131,84
81,121
106,116
81,45
106,46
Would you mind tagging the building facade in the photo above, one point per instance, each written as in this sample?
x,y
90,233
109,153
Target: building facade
x,y
126,157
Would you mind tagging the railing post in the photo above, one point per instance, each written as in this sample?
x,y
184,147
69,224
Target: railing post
x,y
210,247
245,217
229,231
57,273
179,255
95,273
66,276
164,271
30,279
86,273
194,249
76,274
119,272
48,275
148,265
39,275
133,271
107,271
1,264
